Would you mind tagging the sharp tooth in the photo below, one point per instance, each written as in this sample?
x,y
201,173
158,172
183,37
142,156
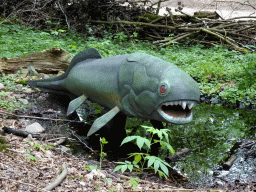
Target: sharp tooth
x,y
184,104
176,102
192,104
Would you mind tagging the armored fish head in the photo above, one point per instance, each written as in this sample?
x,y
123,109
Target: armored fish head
x,y
152,88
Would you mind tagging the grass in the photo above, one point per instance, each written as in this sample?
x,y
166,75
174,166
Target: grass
x,y
218,70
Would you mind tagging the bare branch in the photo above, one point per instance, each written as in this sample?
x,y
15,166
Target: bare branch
x,y
64,14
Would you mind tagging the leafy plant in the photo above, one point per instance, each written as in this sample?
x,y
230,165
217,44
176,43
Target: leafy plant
x,y
90,167
38,146
49,146
153,162
103,141
134,182
31,157
121,36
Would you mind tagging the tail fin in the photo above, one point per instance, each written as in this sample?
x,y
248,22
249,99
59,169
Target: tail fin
x,y
55,85
49,85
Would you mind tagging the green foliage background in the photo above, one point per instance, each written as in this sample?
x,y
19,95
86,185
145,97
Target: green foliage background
x,y
218,71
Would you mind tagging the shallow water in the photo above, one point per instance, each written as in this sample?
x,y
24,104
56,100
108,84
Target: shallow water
x,y
213,132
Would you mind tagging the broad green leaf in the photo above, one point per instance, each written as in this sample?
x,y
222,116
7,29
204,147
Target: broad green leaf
x,y
117,168
162,174
156,165
123,169
169,147
151,160
93,167
122,163
140,141
128,139
130,167
137,158
164,169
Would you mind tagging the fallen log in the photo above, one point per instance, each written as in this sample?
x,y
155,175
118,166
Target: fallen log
x,y
48,61
183,153
25,134
21,133
227,165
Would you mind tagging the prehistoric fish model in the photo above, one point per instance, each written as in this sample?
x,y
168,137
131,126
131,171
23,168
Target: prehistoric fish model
x,y
137,84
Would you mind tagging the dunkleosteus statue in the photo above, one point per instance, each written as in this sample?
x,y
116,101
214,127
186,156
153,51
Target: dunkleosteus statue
x,y
137,84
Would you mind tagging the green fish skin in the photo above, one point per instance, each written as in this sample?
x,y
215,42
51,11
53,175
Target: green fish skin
x,y
137,84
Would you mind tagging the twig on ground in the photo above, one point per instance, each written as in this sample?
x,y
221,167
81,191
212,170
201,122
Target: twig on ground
x,y
58,180
75,135
177,39
59,141
225,39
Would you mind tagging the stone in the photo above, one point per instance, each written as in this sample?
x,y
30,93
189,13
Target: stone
x,y
24,101
96,173
119,187
243,106
43,76
215,101
2,86
19,86
48,153
35,128
27,90
23,123
32,71
82,183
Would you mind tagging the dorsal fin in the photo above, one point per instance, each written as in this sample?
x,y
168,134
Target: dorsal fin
x,y
90,53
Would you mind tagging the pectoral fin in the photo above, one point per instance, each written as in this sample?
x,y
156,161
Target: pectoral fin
x,y
103,120
74,104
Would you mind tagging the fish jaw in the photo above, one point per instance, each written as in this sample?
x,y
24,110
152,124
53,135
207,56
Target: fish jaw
x,y
177,112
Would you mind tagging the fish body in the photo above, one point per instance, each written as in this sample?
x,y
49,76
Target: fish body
x,y
137,84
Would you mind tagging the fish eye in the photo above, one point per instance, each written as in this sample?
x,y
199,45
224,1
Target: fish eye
x,y
163,89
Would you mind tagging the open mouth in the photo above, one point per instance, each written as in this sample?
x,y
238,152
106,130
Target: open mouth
x,y
178,112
